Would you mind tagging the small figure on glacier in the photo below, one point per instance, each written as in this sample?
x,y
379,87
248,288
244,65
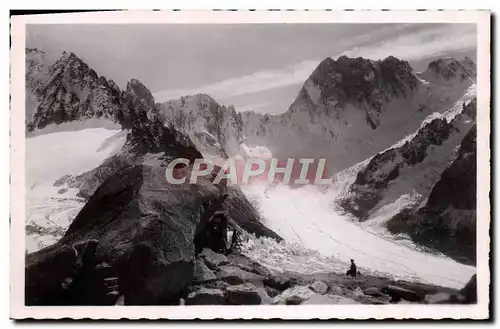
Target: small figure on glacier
x,y
353,270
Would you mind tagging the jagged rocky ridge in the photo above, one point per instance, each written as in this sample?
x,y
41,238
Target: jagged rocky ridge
x,y
447,220
67,90
347,110
412,167
443,178
216,130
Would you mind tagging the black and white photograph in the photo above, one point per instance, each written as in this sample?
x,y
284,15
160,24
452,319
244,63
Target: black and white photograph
x,y
218,166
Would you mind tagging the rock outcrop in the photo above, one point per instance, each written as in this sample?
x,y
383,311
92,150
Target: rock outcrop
x,y
412,167
447,221
367,289
143,230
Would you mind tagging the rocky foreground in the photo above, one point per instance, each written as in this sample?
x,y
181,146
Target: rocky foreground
x,y
237,280
133,244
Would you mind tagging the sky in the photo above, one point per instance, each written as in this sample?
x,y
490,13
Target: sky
x,y
259,67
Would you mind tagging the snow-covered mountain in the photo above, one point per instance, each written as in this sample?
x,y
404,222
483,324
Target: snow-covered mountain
x,y
347,110
413,165
436,158
365,117
446,221
66,90
215,129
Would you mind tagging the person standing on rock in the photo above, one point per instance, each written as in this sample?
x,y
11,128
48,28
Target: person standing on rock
x,y
214,235
353,270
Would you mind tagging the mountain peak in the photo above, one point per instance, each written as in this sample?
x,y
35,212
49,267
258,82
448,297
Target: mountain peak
x,y
69,56
35,51
356,80
137,88
449,68
67,90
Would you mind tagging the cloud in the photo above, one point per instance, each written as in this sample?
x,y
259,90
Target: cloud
x,y
421,44
258,81
403,41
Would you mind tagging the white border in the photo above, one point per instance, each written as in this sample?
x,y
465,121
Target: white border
x,y
478,311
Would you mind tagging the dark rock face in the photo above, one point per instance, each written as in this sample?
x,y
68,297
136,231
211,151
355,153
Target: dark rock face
x,y
447,222
359,80
136,88
460,176
70,275
384,167
143,230
470,108
372,181
70,90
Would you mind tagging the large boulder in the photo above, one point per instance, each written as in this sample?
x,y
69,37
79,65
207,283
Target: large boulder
x,y
243,294
145,229
278,281
294,300
398,293
51,272
375,292
202,274
293,296
213,259
235,275
246,264
319,287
